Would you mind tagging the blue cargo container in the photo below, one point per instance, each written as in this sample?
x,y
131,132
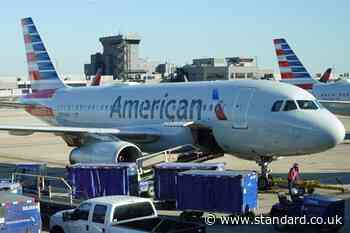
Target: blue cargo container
x,y
232,192
165,173
19,214
324,206
95,180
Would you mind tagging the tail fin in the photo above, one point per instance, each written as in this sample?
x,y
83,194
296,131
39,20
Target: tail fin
x,y
97,80
42,73
326,76
291,68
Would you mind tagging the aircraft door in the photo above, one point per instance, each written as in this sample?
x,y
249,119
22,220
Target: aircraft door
x,y
241,108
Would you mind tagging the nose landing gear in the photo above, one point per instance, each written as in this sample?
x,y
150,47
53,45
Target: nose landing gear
x,y
265,178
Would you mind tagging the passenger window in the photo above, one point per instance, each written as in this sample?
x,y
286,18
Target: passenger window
x,y
83,211
99,214
290,105
307,104
277,106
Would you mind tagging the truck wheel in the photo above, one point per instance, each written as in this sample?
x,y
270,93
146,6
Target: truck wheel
x,y
56,229
191,216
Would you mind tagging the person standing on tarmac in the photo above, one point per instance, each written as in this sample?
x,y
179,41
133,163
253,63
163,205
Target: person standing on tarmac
x,y
293,177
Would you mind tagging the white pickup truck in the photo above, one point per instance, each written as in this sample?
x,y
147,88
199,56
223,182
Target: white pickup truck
x,y
117,214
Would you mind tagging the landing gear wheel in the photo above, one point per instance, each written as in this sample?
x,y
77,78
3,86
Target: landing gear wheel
x,y
265,178
263,183
191,216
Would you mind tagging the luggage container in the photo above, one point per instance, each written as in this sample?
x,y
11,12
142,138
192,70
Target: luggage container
x,y
95,180
19,214
165,173
231,192
327,213
324,206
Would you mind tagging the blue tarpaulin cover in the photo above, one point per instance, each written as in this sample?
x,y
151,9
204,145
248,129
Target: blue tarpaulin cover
x,y
233,192
95,180
165,173
324,206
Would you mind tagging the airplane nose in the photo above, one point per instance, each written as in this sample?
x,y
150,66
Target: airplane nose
x,y
332,131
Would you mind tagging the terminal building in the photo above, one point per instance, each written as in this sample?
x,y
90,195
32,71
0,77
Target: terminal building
x,y
206,69
165,69
120,58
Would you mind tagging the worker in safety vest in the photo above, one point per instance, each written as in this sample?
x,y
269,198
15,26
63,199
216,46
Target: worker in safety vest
x,y
293,177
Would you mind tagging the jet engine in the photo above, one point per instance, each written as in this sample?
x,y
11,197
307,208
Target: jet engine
x,y
105,152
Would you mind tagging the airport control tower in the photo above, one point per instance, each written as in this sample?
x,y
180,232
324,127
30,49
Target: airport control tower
x,y
120,57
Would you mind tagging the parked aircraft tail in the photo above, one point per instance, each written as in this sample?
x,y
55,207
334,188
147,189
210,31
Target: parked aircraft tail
x,y
42,73
326,75
291,68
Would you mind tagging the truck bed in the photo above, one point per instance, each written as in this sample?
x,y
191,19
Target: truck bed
x,y
163,225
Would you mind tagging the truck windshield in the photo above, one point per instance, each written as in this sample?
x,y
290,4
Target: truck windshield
x,y
132,211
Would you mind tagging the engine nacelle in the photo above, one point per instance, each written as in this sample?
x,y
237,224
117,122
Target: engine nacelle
x,y
105,152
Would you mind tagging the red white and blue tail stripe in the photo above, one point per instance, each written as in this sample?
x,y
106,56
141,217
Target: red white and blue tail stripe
x,y
291,68
42,73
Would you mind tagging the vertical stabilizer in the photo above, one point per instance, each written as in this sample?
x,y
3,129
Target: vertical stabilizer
x,y
42,74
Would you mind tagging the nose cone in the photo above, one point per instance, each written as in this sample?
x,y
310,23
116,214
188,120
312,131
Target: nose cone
x,y
330,130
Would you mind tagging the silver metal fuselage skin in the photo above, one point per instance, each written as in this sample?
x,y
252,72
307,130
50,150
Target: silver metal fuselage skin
x,y
249,128
338,91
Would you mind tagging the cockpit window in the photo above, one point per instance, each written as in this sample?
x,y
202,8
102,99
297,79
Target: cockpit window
x,y
277,106
319,104
307,104
290,105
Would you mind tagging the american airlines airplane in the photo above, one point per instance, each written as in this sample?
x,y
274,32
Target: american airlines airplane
x,y
254,120
335,96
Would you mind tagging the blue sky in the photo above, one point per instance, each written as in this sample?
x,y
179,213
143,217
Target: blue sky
x,y
177,31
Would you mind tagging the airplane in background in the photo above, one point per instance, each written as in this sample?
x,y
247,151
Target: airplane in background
x,y
251,119
335,96
326,76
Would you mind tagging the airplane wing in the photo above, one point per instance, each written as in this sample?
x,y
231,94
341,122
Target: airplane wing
x,y
15,105
189,124
337,107
141,134
56,130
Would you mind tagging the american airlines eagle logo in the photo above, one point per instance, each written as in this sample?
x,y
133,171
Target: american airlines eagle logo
x,y
219,108
219,112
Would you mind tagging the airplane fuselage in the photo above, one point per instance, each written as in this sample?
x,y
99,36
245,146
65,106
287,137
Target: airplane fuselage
x,y
339,90
238,113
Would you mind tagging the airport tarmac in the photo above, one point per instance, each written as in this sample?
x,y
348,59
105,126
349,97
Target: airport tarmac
x,y
326,166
